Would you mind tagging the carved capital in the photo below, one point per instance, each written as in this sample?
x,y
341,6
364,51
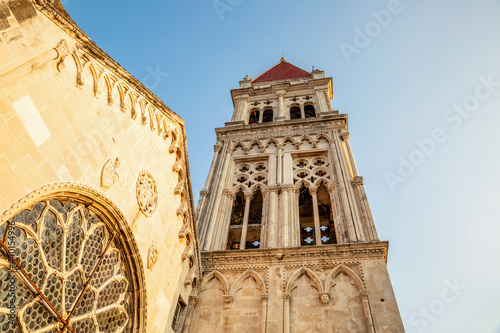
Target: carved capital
x,y
345,136
324,297
217,147
205,193
228,300
248,195
363,294
287,297
313,190
193,301
274,188
332,186
264,297
287,188
356,181
281,93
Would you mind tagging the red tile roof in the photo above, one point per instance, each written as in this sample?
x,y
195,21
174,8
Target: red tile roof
x,y
282,71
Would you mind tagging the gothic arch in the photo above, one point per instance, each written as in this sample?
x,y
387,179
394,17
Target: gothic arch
x,y
88,200
219,276
236,145
245,275
321,136
270,141
253,143
289,138
329,282
292,281
305,138
303,182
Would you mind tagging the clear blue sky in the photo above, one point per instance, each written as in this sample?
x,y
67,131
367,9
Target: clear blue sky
x,y
399,85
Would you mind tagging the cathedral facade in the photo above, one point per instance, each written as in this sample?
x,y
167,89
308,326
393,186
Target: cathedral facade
x,y
98,231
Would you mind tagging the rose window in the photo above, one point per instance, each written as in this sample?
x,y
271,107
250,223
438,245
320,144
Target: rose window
x,y
70,262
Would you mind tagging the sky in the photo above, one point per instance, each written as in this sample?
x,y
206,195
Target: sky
x,y
420,81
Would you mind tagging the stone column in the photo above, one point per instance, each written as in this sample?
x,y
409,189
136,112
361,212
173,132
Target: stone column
x,y
241,108
205,192
279,178
193,301
295,218
338,219
317,231
343,179
248,198
367,218
286,312
213,208
272,221
223,228
345,137
281,104
363,295
265,218
320,96
263,316
286,194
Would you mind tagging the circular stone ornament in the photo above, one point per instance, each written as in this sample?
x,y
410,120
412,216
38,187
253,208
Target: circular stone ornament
x,y
147,194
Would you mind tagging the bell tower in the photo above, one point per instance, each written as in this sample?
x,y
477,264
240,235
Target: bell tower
x,y
287,238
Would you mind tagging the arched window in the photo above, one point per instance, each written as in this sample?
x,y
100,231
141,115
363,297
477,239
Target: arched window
x,y
58,236
252,240
306,217
309,111
295,112
327,227
267,116
254,117
236,222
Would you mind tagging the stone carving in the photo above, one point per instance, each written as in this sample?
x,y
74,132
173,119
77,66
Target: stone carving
x,y
62,53
152,256
356,181
109,174
228,300
147,194
324,297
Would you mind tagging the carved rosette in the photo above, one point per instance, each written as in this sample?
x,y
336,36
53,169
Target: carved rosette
x,y
152,256
147,193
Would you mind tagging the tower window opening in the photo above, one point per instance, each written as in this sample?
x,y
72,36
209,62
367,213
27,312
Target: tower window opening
x,y
254,117
309,111
306,217
295,112
255,212
327,227
238,209
267,116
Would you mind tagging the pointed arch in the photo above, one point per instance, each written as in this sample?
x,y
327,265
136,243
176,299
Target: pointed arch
x,y
270,141
219,276
305,137
236,145
298,185
291,140
245,275
330,278
292,281
322,136
255,142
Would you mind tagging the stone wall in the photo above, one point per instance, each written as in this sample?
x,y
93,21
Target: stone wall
x,y
70,114
335,288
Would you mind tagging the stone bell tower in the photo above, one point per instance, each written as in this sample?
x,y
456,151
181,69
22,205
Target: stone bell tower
x,y
287,238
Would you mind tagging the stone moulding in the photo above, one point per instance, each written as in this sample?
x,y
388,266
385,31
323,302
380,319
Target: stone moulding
x,y
105,208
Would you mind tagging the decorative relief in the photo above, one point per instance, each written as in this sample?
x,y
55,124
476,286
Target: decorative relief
x,y
109,174
152,256
311,171
250,176
357,181
324,297
147,194
62,53
228,300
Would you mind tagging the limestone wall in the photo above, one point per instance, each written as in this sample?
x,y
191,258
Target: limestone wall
x,y
68,112
315,289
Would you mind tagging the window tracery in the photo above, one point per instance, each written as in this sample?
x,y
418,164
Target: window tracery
x,y
70,256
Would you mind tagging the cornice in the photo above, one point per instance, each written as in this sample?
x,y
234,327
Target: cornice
x,y
325,254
